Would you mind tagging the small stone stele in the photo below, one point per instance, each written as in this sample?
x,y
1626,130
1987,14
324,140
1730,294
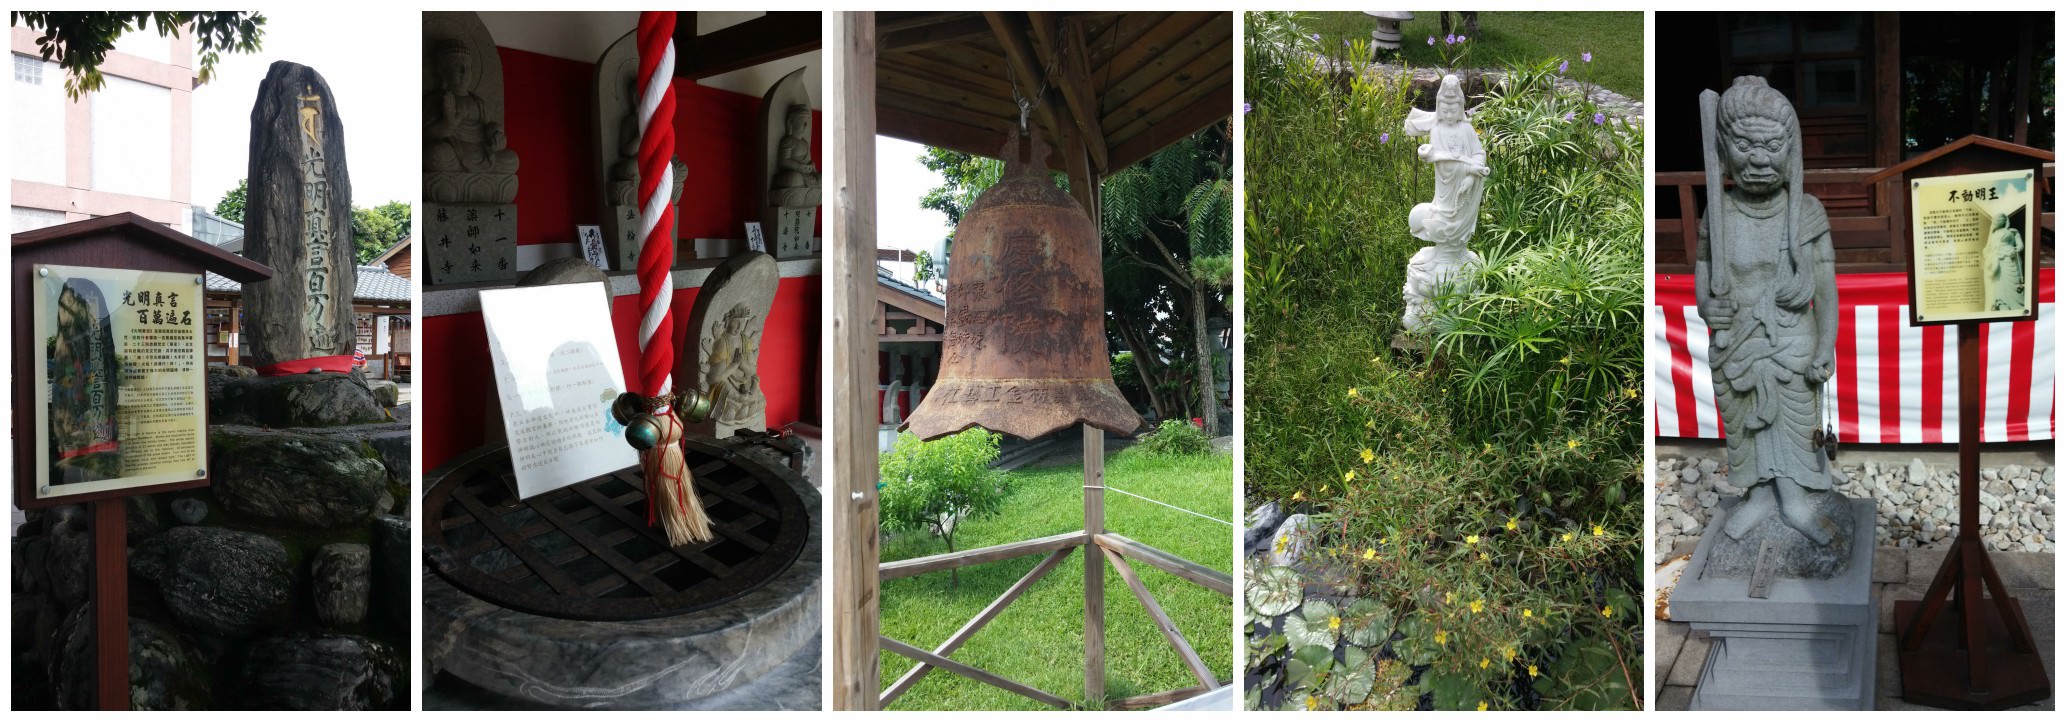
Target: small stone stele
x,y
792,187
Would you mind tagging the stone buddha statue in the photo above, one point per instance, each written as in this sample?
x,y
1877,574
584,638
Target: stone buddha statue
x,y
462,141
796,183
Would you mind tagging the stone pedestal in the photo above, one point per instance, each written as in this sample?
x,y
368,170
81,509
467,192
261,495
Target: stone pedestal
x,y
470,242
1810,644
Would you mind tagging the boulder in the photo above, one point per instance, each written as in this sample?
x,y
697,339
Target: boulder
x,y
311,399
223,582
394,568
304,671
296,478
68,556
341,577
388,393
189,511
166,671
219,375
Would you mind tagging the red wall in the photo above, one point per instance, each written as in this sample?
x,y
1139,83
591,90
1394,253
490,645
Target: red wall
x,y
548,107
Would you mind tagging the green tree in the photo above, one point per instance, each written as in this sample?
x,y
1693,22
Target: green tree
x,y
936,485
232,204
922,268
1171,217
376,229
80,41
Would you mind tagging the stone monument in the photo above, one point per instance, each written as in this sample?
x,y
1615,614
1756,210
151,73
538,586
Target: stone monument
x,y
1450,219
469,172
724,359
616,126
298,220
791,186
1782,581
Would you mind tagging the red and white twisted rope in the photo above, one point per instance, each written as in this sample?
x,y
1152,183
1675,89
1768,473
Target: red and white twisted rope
x,y
656,214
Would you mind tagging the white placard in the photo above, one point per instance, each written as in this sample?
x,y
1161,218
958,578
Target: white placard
x,y
556,372
755,240
591,242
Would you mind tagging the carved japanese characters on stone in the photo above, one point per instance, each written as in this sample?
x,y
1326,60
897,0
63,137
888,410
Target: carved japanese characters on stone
x,y
1448,221
1765,283
790,185
298,221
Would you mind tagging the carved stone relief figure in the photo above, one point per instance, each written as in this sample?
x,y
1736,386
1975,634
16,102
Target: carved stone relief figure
x,y
462,135
796,183
731,360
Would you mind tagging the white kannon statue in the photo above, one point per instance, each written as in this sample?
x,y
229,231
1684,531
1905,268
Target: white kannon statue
x,y
1447,222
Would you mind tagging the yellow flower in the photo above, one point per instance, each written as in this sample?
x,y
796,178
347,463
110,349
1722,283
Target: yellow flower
x,y
1334,624
1348,476
1481,705
1312,703
1449,597
1567,536
1299,495
1630,392
1566,360
1488,447
1477,605
1441,637
1352,392
1370,424
1572,444
1607,612
1527,614
1509,652
1512,524
1377,359
1368,455
1472,539
1369,554
1282,542
1484,662
1324,488
1532,671
1599,531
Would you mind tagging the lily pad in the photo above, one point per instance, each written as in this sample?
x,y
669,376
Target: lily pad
x,y
1352,679
1275,591
1303,629
1367,623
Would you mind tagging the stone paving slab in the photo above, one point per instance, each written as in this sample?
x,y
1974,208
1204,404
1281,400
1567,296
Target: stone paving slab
x,y
1681,652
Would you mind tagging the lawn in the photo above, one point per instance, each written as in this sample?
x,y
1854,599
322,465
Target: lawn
x,y
1614,39
1038,640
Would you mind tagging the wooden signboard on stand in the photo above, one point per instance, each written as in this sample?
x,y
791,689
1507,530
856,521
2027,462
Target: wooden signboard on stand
x,y
1973,230
110,403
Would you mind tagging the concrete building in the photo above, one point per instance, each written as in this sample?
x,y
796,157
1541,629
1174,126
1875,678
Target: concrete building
x,y
125,147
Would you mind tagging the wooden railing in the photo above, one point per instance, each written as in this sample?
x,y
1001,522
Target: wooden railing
x,y
1861,218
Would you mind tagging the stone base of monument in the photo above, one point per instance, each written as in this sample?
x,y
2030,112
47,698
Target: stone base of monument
x,y
570,599
1807,644
470,242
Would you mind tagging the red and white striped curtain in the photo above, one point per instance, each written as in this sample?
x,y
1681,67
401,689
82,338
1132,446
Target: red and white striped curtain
x,y
1894,383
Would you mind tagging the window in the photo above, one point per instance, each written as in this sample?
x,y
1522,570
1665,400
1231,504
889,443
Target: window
x,y
28,69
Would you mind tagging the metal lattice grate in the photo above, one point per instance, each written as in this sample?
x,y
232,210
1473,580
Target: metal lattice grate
x,y
586,551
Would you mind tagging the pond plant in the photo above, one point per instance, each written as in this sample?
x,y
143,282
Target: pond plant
x,y
1477,502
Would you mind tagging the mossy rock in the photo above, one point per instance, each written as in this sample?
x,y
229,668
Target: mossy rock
x,y
297,479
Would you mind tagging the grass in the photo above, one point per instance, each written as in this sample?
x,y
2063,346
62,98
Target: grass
x,y
1038,640
1614,39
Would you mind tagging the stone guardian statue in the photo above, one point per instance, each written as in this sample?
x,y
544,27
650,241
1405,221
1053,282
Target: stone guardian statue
x,y
1765,283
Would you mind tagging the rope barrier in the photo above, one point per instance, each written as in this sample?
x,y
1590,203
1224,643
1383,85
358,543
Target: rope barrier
x,y
1152,501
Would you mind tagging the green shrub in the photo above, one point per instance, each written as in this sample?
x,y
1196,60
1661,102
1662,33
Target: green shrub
x,y
933,486
1489,495
1176,437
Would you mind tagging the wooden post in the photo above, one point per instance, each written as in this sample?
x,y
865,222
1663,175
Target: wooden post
x,y
111,604
856,604
1093,568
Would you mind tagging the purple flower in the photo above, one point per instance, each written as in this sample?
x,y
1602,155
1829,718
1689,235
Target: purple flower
x,y
1449,39
1568,116
1563,67
1599,119
1315,37
1245,107
1587,55
1461,38
1384,137
1431,41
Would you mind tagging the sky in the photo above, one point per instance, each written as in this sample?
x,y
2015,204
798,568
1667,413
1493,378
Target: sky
x,y
900,182
373,74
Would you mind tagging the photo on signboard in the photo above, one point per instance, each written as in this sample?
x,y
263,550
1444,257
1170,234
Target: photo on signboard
x,y
122,379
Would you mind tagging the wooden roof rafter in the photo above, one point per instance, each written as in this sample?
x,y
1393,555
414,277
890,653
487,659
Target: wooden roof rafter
x,y
770,37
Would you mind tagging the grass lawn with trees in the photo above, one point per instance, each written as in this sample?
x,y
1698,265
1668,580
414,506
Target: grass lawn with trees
x,y
1038,640
1505,38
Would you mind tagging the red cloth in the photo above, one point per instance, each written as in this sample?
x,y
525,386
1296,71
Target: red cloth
x,y
340,364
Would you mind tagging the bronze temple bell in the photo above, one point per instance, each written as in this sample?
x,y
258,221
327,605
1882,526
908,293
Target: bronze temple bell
x,y
1025,350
